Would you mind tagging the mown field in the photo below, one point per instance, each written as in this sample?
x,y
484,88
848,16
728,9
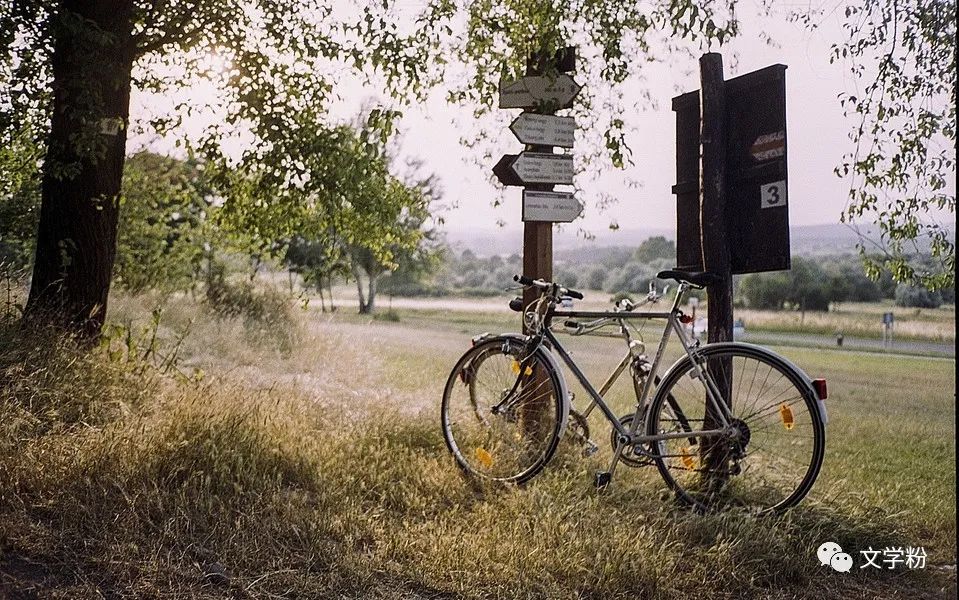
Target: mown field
x,y
852,319
304,459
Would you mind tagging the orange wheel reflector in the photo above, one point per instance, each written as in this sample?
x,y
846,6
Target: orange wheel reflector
x,y
484,457
786,414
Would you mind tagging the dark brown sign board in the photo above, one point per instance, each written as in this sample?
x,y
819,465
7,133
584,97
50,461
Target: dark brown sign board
x,y
757,217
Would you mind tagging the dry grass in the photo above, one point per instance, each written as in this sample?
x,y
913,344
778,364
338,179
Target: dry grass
x,y
859,319
321,472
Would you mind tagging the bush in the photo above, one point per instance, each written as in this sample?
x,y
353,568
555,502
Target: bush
x,y
596,278
917,297
267,314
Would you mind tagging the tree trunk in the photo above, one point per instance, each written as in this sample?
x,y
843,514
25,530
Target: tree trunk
x,y
319,288
371,294
76,238
359,291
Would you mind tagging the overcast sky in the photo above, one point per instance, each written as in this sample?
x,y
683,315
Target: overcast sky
x,y
816,128
817,133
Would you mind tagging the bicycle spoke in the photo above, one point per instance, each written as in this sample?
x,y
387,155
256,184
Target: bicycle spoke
x,y
776,451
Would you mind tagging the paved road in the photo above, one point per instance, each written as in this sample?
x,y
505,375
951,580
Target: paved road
x,y
850,343
759,337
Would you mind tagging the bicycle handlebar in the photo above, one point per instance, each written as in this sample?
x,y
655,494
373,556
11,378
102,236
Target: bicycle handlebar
x,y
545,285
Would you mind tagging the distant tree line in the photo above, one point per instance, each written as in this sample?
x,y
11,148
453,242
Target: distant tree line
x,y
811,284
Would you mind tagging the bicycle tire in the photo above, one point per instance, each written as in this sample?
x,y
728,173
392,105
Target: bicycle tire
x,y
511,446
746,471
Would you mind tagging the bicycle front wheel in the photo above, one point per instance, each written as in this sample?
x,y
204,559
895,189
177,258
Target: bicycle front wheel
x,y
502,411
775,451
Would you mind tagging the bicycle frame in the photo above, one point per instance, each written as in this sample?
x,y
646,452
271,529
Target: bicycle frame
x,y
673,324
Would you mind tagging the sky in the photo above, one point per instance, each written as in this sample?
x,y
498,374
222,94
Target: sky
x,y
817,134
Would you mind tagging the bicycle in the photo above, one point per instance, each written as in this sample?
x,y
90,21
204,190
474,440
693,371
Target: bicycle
x,y
728,423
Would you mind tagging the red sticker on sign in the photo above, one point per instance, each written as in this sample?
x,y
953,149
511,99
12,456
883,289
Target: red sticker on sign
x,y
769,146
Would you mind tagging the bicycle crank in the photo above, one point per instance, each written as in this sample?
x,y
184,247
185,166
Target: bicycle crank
x,y
632,456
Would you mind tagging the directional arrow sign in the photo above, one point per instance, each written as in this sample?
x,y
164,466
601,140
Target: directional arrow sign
x,y
504,170
530,91
538,167
546,130
534,167
554,207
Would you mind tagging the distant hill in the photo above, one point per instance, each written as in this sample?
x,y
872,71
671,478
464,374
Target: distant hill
x,y
508,240
806,240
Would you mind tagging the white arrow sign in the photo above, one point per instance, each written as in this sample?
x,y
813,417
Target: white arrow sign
x,y
554,207
547,130
541,167
530,91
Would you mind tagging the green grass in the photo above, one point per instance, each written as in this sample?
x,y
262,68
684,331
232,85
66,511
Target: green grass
x,y
321,472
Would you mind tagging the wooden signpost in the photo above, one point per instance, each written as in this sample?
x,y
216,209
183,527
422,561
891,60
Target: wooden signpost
x,y
546,88
731,190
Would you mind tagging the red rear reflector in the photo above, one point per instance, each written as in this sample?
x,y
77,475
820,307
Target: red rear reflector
x,y
820,386
685,319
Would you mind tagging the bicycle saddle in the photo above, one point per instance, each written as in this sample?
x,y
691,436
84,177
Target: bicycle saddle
x,y
697,278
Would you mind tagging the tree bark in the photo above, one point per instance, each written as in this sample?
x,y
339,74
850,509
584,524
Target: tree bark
x,y
371,294
359,291
76,238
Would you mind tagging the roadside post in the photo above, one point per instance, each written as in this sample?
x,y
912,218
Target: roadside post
x,y
887,323
731,193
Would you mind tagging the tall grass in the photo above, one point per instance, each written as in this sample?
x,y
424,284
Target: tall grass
x,y
316,474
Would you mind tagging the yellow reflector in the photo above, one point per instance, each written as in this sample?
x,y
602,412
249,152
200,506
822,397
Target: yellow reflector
x,y
689,461
786,414
515,367
485,458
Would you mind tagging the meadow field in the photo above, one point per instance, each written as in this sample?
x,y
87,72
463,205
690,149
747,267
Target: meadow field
x,y
216,458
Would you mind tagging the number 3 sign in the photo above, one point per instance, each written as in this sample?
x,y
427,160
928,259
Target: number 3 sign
x,y
773,194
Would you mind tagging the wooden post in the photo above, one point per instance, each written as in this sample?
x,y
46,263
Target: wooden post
x,y
538,256
537,236
712,205
715,245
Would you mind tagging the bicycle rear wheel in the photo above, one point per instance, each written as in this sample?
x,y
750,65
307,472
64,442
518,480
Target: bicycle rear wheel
x,y
773,459
503,412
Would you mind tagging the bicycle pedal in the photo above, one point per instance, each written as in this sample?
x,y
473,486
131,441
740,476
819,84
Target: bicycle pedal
x,y
601,479
589,448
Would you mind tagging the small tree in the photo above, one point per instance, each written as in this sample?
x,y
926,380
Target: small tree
x,y
318,262
656,247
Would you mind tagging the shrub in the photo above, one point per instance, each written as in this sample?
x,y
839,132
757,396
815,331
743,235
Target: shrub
x,y
267,314
917,297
